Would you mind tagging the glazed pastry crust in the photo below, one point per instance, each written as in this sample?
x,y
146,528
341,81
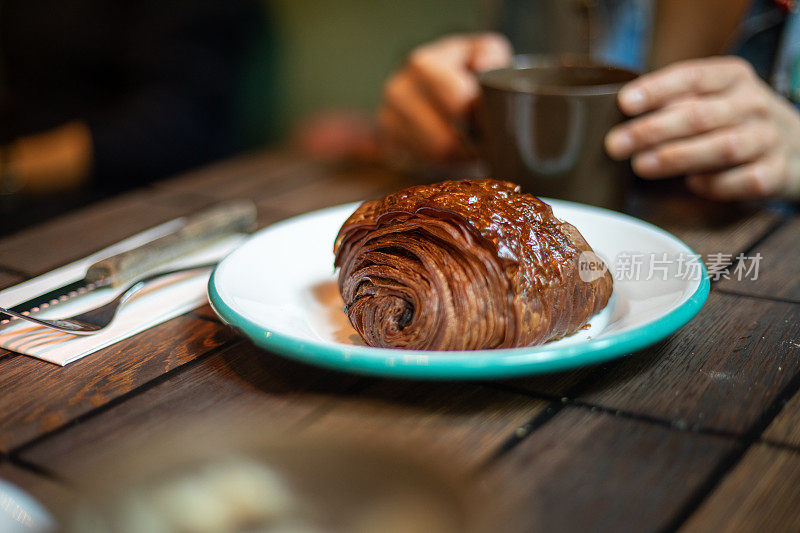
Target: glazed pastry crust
x,y
464,265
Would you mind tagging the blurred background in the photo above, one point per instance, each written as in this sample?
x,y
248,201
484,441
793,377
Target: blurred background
x,y
98,98
101,97
335,54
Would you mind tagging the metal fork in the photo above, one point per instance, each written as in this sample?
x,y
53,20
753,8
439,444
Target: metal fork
x,y
99,318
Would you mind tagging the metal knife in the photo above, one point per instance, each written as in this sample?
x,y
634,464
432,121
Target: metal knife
x,y
197,231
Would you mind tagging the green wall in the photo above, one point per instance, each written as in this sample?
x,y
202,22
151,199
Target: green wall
x,y
336,54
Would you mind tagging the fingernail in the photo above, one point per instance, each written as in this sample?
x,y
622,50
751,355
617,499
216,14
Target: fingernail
x,y
646,163
633,100
619,144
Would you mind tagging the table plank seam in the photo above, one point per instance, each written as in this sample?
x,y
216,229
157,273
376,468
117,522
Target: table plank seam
x,y
777,225
540,419
38,470
727,463
520,434
621,413
201,316
327,406
638,417
780,445
741,443
21,448
777,299
732,458
174,198
15,272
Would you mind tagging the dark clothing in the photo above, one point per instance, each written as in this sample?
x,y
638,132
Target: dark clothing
x,y
155,80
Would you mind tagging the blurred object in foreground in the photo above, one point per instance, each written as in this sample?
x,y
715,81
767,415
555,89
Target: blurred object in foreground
x,y
250,482
21,513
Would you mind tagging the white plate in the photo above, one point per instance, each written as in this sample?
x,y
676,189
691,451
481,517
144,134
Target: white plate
x,y
279,288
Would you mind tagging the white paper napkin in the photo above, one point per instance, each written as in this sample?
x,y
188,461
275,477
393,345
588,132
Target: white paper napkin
x,y
158,302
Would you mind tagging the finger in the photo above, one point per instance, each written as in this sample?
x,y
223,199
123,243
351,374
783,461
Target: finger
x,y
398,137
441,70
392,130
696,76
420,123
765,177
690,116
445,69
490,51
708,152
396,151
338,136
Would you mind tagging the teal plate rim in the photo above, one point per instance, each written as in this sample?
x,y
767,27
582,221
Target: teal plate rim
x,y
466,365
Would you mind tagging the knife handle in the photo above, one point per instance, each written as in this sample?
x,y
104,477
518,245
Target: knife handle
x,y
199,230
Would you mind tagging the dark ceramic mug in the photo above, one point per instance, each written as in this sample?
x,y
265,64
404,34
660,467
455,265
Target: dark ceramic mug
x,y
541,123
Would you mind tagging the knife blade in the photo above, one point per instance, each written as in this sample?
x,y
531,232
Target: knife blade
x,y
196,231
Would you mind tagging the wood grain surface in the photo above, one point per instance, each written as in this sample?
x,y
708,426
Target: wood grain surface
x,y
785,428
76,235
239,385
591,471
7,280
778,273
350,185
252,175
760,494
696,432
719,373
460,423
39,397
707,227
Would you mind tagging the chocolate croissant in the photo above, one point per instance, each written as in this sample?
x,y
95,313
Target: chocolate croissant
x,y
465,265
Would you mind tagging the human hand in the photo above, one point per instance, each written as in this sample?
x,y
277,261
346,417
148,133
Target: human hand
x,y
426,104
339,136
716,122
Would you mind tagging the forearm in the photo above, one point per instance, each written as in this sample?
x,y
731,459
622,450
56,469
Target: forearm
x,y
55,160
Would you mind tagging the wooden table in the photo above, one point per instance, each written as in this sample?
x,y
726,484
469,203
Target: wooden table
x,y
699,432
